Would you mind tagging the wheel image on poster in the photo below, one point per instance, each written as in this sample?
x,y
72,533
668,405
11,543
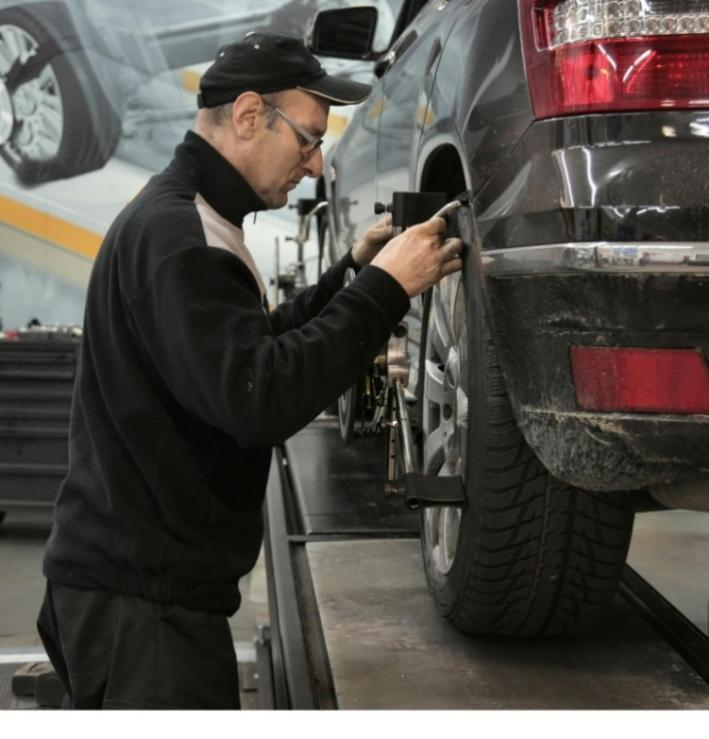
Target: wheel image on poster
x,y
55,120
527,554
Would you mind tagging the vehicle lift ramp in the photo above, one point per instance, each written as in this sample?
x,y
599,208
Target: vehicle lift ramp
x,y
353,624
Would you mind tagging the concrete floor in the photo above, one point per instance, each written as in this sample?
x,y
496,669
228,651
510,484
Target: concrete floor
x,y
389,648
669,549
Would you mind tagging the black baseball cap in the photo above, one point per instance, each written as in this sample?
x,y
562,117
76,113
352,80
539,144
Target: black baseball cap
x,y
271,62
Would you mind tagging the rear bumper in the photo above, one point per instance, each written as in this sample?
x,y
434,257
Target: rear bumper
x,y
599,257
607,451
543,300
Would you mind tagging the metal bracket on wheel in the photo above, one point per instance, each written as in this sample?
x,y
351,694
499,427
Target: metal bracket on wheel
x,y
419,490
425,491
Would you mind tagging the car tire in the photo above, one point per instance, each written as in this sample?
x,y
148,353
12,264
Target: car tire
x,y
63,124
527,554
348,406
347,411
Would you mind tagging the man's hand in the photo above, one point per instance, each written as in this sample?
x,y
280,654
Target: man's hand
x,y
374,239
419,257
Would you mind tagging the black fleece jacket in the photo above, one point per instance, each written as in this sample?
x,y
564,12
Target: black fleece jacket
x,y
185,382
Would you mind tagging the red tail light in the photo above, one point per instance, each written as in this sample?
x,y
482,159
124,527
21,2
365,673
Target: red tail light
x,y
606,55
640,380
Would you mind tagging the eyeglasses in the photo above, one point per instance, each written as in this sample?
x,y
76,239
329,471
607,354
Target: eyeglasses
x,y
309,144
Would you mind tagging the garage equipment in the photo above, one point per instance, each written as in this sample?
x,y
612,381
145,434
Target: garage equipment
x,y
37,371
293,280
389,378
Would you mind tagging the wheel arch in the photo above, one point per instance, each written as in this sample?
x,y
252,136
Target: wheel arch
x,y
437,163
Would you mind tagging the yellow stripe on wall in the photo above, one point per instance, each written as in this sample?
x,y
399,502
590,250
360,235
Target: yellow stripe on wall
x,y
50,228
190,79
336,124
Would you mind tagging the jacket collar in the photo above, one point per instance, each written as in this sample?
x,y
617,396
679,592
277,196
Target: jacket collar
x,y
216,180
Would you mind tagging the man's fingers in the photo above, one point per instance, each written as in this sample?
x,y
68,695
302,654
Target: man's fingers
x,y
452,265
435,225
384,224
452,247
450,254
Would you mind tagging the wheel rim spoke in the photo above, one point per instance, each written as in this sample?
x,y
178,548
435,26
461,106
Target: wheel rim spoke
x,y
37,103
450,528
442,333
434,378
12,42
51,118
451,286
433,450
6,58
445,413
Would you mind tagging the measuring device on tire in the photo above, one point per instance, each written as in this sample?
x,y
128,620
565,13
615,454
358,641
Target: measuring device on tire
x,y
383,391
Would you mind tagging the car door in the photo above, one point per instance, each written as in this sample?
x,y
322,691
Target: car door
x,y
352,174
407,77
351,169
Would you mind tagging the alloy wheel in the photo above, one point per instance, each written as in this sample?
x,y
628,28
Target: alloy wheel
x,y
445,412
31,117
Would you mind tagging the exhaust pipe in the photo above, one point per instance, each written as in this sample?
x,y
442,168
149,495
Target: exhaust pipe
x,y
691,495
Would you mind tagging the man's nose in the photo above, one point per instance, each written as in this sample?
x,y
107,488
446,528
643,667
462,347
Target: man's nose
x,y
313,164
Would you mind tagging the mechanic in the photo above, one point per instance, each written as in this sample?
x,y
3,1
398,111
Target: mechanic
x,y
186,381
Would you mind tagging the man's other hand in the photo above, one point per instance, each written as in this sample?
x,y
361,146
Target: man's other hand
x,y
420,256
375,237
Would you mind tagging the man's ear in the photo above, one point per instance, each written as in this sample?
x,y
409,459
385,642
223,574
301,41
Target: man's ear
x,y
247,114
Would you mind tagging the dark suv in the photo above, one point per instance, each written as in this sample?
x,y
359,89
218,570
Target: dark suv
x,y
566,368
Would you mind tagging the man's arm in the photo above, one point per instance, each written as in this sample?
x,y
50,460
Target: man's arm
x,y
310,302
212,343
206,332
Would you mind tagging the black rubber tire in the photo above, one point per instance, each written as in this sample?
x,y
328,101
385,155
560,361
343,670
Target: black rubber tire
x,y
324,243
534,556
2,516
348,406
347,411
91,129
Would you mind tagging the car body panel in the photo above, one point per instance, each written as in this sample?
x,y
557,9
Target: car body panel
x,y
632,176
487,123
599,451
406,89
355,175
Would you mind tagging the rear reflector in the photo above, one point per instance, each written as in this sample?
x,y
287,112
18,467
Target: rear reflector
x,y
640,380
610,55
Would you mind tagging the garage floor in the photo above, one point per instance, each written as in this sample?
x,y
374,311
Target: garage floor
x,y
388,647
670,549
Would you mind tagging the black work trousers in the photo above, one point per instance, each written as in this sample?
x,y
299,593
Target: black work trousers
x,y
114,651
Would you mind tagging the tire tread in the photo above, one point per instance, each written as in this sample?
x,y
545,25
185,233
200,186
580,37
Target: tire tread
x,y
546,557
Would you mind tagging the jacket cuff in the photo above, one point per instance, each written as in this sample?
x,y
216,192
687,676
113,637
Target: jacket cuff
x,y
348,262
385,290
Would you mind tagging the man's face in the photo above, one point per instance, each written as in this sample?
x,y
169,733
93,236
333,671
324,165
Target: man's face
x,y
283,154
